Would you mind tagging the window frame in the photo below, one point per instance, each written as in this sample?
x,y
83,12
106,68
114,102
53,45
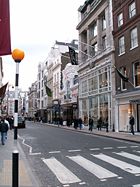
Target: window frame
x,y
133,39
136,74
123,83
122,46
120,19
132,12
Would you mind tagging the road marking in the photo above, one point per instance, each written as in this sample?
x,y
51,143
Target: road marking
x,y
137,185
122,147
128,155
82,183
64,175
30,148
120,164
108,148
134,146
94,149
93,168
74,150
54,152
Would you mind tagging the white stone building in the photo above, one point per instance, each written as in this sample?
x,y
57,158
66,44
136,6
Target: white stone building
x,y
96,58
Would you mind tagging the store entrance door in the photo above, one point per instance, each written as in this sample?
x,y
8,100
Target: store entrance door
x,y
138,118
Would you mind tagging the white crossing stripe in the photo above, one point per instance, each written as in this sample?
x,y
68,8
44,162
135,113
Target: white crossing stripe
x,y
137,185
94,149
93,168
64,175
120,164
128,155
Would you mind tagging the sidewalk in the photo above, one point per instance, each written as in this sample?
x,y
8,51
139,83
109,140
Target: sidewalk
x,y
117,135
26,177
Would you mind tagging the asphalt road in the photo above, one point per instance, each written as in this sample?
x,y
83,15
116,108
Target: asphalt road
x,y
62,158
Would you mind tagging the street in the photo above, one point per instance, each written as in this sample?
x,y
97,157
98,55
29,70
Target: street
x,y
60,157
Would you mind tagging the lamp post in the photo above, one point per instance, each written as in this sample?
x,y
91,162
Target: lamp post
x,y
18,56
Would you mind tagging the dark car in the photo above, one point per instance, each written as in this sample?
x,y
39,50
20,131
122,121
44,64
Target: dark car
x,y
21,122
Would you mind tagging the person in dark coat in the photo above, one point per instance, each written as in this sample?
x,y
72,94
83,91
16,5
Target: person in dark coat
x,y
75,121
80,123
3,130
99,123
90,124
132,122
106,124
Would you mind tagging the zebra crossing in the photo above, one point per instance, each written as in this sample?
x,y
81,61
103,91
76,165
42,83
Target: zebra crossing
x,y
67,177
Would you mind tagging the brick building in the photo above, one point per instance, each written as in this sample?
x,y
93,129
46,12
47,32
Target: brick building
x,y
126,22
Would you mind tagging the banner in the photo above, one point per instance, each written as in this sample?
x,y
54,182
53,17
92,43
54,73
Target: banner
x,y
72,54
2,91
5,39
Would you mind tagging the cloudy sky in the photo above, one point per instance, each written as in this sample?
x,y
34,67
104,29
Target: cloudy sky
x,y
35,26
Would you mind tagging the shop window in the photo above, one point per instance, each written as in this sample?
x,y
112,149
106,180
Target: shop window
x,y
103,80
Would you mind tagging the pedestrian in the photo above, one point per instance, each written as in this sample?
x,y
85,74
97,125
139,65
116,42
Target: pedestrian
x,y
99,123
6,121
132,122
90,124
75,121
3,130
106,123
80,122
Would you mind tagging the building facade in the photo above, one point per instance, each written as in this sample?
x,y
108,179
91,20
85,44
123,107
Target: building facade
x,y
126,18
96,58
32,100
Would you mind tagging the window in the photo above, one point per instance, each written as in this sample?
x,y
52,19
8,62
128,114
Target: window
x,y
103,22
94,49
134,38
137,74
93,30
132,10
104,42
103,80
120,19
121,46
123,83
84,86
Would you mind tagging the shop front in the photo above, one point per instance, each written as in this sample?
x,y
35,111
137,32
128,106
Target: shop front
x,y
127,104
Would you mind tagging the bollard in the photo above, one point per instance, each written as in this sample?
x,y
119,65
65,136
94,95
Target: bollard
x,y
15,157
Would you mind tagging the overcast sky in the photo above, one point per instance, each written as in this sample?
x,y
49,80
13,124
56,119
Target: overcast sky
x,y
35,26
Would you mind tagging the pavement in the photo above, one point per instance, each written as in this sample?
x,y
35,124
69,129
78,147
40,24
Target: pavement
x,y
26,176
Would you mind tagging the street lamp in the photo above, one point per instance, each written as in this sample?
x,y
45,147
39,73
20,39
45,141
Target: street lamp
x,y
18,56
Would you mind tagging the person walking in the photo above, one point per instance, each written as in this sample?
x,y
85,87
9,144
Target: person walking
x,y
106,123
3,130
80,123
132,122
99,123
90,124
